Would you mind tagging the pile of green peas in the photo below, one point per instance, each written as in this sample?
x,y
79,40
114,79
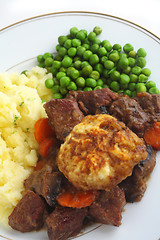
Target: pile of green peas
x,y
84,62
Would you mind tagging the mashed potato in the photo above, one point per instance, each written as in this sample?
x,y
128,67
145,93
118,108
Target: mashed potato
x,y
99,153
20,107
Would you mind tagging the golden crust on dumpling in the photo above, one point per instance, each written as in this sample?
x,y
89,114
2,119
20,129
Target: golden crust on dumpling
x,y
99,153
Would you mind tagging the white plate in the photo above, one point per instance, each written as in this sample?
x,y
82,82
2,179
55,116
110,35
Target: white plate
x,y
19,46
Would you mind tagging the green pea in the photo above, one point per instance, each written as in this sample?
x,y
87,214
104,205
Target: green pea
x,y
67,61
107,45
95,75
74,74
56,81
127,70
68,44
73,31
114,56
100,82
124,78
57,95
55,89
40,58
132,54
62,39
141,62
146,71
63,90
102,51
150,84
77,64
94,48
62,51
128,47
115,75
117,47
42,65
94,59
62,69
154,90
72,51
132,62
72,86
97,30
105,86
64,81
87,89
76,42
81,35
91,36
90,82
136,70
140,87
142,78
86,71
86,46
69,70
103,59
141,52
123,62
87,54
84,31
115,86
97,87
133,78
80,82
132,86
84,64
99,67
108,64
49,83
96,41
80,51
60,75
56,64
58,47
46,55
128,92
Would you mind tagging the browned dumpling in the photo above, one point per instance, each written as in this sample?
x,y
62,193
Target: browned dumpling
x,y
100,152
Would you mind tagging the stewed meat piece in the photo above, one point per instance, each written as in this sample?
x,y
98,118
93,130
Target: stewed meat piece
x,y
29,214
46,183
135,186
89,102
63,115
108,207
65,222
130,112
150,103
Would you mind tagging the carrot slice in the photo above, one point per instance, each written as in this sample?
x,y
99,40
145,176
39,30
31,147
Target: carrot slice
x,y
77,199
45,145
152,135
42,130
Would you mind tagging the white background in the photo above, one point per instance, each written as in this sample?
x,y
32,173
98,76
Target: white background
x,y
145,13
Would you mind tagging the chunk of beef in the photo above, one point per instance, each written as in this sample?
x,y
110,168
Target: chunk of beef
x,y
90,101
29,214
65,222
134,186
107,208
150,103
46,183
63,115
130,112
